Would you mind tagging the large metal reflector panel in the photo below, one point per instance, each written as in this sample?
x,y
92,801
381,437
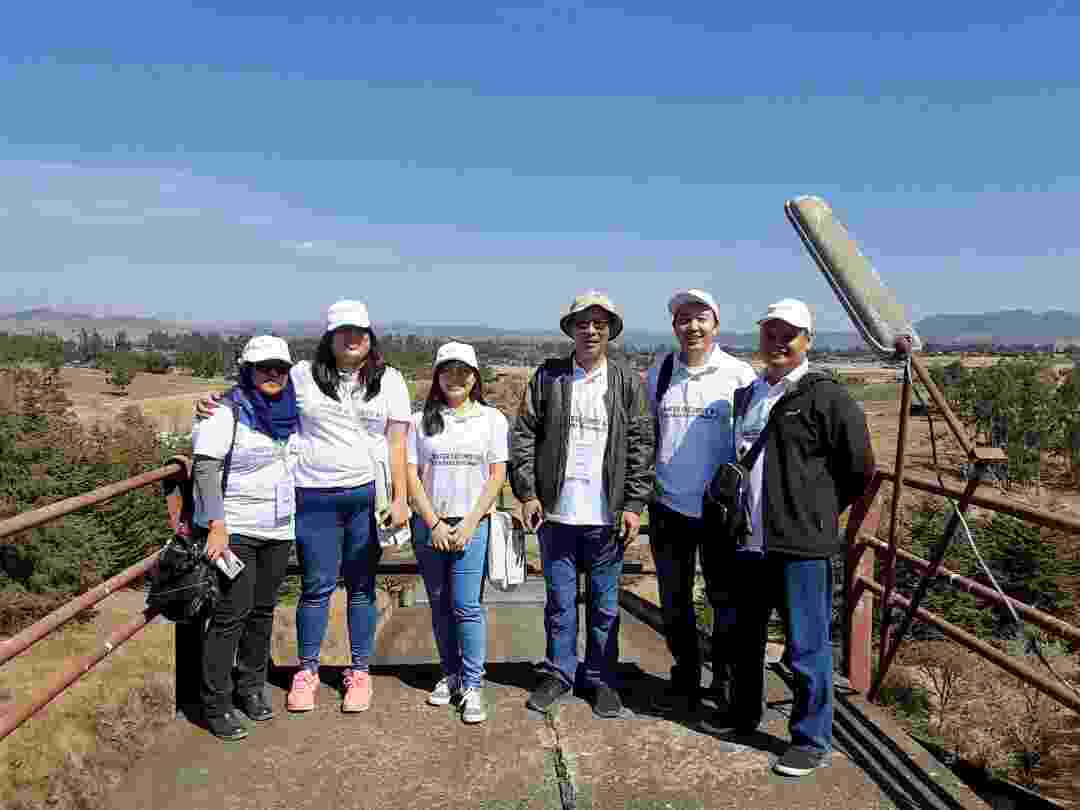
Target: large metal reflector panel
x,y
876,313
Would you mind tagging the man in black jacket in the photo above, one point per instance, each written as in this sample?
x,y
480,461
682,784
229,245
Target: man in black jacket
x,y
816,461
581,463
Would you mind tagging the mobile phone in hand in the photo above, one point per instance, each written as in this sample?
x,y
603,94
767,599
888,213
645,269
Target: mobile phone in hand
x,y
229,564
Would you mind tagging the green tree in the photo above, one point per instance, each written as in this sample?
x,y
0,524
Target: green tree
x,y
155,363
122,371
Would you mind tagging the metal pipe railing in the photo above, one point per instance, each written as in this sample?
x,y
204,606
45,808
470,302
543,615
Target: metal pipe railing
x,y
1052,688
962,583
75,669
44,514
1031,514
19,643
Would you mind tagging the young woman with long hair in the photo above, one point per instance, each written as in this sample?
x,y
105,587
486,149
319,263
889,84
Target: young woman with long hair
x,y
458,449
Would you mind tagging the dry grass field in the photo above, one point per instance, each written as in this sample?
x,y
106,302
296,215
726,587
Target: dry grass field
x,y
73,752
167,399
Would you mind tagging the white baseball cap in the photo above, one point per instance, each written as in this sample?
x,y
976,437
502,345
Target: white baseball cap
x,y
462,352
266,347
347,313
792,311
692,297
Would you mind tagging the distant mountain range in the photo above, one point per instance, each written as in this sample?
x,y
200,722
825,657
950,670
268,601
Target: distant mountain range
x,y
1008,327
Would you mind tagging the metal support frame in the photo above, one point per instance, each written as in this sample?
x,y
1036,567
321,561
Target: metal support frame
x,y
890,642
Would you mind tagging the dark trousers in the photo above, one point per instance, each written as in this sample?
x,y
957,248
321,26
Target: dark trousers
x,y
676,539
801,589
239,631
598,551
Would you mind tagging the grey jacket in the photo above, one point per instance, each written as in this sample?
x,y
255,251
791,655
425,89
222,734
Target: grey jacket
x,y
540,437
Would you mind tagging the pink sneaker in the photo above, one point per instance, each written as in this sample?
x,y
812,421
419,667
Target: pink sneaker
x,y
357,691
305,684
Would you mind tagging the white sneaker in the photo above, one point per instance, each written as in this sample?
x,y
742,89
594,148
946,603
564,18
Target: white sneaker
x,y
472,705
445,692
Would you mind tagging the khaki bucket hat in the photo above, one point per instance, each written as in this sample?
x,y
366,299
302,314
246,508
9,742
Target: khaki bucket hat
x,y
592,298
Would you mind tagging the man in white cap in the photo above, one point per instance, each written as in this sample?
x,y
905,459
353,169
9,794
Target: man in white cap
x,y
581,463
814,461
691,394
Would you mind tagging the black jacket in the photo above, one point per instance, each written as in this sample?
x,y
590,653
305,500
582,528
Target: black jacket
x,y
818,461
540,436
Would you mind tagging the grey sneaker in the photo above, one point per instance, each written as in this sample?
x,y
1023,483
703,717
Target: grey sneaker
x,y
472,705
445,692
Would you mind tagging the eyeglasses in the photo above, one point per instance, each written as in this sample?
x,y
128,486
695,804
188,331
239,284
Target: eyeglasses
x,y
279,369
598,325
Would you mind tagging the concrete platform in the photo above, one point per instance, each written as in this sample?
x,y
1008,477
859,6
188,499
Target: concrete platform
x,y
405,754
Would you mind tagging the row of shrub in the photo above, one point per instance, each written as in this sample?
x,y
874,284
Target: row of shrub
x,y
1023,405
47,455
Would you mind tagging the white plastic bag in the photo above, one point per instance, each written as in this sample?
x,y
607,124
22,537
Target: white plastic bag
x,y
506,551
388,537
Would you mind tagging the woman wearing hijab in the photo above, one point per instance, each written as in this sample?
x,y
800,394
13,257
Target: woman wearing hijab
x,y
457,464
244,500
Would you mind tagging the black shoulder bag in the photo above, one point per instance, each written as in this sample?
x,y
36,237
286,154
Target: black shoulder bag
x,y
724,503
185,585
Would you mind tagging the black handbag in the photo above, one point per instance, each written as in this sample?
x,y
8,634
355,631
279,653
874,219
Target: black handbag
x,y
184,587
724,504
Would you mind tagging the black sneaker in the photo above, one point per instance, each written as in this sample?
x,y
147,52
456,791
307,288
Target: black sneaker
x,y
255,705
546,694
606,702
226,726
800,762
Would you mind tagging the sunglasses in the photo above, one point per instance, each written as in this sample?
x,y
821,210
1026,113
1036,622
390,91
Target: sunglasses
x,y
272,368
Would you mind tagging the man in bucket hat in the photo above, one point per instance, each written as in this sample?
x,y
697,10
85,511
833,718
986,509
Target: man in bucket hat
x,y
690,395
816,461
581,463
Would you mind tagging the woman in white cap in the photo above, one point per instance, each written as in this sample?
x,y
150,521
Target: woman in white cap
x,y
457,465
354,416
244,500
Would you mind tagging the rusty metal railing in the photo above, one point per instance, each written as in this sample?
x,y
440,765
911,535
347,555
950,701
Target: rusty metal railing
x,y
862,588
76,668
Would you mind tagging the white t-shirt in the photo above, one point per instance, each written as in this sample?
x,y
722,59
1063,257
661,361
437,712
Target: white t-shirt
x,y
695,426
454,465
259,498
338,438
747,428
583,500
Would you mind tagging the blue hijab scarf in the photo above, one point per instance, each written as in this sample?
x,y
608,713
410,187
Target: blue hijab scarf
x,y
277,418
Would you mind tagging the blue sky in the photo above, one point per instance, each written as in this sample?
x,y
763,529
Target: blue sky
x,y
475,163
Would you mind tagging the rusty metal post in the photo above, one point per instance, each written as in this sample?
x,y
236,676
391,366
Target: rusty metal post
x,y
889,564
858,601
890,646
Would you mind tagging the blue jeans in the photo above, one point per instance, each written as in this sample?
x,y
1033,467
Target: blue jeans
x,y
598,551
335,534
454,582
801,589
